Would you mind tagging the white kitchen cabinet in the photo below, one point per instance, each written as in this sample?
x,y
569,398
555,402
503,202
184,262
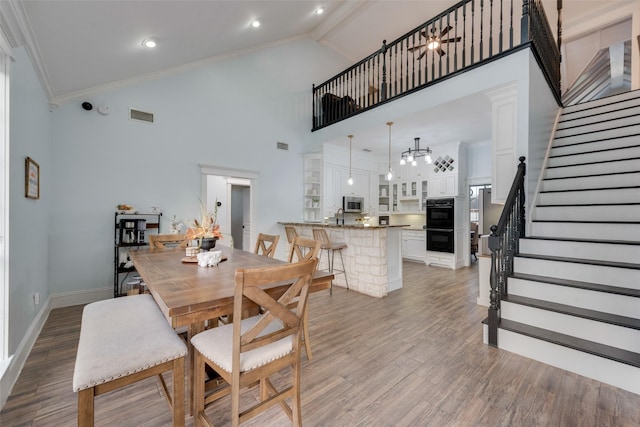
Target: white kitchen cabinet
x,y
384,194
443,185
313,184
414,245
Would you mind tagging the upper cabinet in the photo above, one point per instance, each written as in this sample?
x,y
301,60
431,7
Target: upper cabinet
x,y
447,173
313,171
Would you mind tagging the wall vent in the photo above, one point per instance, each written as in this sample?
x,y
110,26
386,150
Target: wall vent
x,y
141,115
283,146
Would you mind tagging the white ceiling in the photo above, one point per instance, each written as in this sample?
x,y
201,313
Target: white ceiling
x,y
84,47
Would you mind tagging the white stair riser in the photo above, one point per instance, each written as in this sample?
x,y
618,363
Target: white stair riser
x,y
594,169
617,195
604,275
588,213
621,305
596,136
561,230
600,156
598,181
629,141
597,127
604,370
601,116
584,250
591,330
593,107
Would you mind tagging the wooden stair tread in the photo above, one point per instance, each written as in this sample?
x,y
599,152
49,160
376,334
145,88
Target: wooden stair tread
x,y
593,163
586,204
602,263
612,353
598,316
624,147
578,284
576,239
626,187
590,175
582,221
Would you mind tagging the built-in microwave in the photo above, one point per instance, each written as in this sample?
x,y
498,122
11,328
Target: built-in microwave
x,y
352,204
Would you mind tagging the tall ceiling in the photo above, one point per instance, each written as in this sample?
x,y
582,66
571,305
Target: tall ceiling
x,y
88,45
85,47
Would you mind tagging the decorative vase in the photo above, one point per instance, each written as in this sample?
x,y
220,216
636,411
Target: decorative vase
x,y
207,243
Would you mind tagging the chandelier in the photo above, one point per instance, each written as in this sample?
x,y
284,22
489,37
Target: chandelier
x,y
411,155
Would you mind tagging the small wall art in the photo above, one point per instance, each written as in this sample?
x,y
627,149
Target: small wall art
x,y
31,179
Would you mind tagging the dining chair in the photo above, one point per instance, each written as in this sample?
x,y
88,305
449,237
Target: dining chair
x,y
254,349
161,241
331,248
266,244
291,233
301,249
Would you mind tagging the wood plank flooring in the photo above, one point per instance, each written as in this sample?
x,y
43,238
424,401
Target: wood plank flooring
x,y
414,358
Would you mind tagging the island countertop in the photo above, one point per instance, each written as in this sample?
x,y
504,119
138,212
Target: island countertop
x,y
330,225
372,256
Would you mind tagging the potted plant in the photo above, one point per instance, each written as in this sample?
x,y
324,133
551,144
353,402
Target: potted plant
x,y
206,231
314,203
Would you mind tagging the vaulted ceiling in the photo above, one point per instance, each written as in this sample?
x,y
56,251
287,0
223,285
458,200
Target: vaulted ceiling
x,y
91,46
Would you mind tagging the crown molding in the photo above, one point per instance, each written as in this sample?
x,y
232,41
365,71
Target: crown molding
x,y
347,9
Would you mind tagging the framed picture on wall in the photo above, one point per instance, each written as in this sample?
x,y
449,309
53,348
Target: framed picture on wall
x,y
31,179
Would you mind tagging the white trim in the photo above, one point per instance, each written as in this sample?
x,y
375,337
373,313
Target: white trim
x,y
251,176
18,359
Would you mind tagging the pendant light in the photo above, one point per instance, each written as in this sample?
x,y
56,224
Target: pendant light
x,y
390,172
350,180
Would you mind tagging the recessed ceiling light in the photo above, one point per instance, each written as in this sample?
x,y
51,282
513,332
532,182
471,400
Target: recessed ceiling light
x,y
319,11
255,24
149,43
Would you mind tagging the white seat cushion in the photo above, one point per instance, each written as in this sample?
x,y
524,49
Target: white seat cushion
x,y
216,345
121,336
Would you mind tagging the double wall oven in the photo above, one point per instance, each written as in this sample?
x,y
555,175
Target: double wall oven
x,y
440,225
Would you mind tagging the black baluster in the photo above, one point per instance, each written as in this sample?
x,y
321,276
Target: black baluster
x,y
524,22
500,38
511,26
494,303
481,53
383,52
464,36
490,28
559,8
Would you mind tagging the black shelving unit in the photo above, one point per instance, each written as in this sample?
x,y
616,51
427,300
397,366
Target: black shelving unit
x,y
130,232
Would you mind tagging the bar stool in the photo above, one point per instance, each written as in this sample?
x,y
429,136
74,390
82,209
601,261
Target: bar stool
x,y
331,248
291,233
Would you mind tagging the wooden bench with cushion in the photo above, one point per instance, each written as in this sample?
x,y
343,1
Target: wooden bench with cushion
x,y
122,341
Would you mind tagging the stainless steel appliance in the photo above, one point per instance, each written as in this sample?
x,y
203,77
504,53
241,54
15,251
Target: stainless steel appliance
x,y
352,204
440,225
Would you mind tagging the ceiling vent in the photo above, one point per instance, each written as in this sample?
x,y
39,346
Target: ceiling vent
x,y
141,116
282,146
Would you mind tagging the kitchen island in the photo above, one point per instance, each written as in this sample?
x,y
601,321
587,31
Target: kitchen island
x,y
373,257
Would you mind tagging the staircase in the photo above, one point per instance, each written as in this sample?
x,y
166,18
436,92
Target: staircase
x,y
574,299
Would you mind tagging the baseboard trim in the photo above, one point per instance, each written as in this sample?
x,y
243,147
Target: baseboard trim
x,y
9,373
18,359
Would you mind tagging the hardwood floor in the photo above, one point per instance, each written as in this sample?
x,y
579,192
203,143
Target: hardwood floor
x,y
414,358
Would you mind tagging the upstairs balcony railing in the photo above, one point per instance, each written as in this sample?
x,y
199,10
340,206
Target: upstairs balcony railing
x,y
467,35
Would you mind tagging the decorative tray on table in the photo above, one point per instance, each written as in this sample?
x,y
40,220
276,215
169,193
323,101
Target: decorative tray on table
x,y
194,259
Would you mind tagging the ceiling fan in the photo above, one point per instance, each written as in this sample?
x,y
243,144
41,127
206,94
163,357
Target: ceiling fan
x,y
435,42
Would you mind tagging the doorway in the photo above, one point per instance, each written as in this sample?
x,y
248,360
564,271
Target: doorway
x,y
240,203
234,192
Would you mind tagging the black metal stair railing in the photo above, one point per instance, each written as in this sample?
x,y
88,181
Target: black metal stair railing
x,y
470,33
504,246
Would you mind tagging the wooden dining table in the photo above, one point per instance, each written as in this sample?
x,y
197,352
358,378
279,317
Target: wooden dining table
x,y
190,295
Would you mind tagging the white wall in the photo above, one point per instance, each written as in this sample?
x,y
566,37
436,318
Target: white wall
x,y
29,225
228,114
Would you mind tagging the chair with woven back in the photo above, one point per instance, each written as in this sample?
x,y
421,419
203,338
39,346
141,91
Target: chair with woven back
x,y
161,241
301,249
254,349
266,244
